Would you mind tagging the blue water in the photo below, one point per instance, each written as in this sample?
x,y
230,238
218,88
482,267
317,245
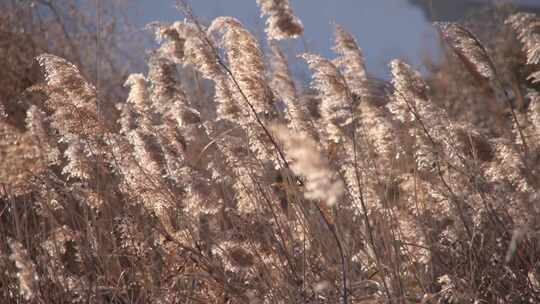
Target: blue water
x,y
385,29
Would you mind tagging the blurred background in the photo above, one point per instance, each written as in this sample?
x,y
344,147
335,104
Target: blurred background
x,y
385,29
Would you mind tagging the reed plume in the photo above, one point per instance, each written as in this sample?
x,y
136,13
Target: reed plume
x,y
281,22
27,276
321,183
351,60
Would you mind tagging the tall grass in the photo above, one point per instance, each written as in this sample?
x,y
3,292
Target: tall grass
x,y
204,190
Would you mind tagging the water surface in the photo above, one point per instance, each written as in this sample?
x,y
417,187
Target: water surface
x,y
385,29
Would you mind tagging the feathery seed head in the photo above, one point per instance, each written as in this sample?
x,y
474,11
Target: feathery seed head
x,y
281,22
334,93
283,84
306,160
78,156
471,52
147,151
527,26
138,94
245,59
282,81
3,113
409,88
350,60
35,123
63,74
72,99
27,270
408,81
176,36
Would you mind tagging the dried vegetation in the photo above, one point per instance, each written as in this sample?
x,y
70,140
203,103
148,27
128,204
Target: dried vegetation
x,y
202,189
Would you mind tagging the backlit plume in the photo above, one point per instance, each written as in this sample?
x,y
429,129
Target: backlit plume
x,y
281,23
306,160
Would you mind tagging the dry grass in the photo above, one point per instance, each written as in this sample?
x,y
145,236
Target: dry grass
x,y
204,190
